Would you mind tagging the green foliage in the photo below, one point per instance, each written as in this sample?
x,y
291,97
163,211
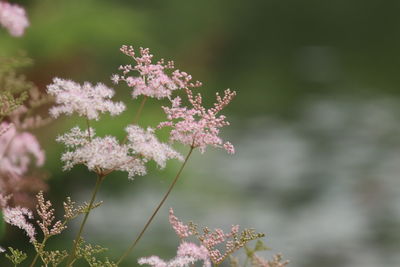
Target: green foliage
x,y
49,258
16,256
13,87
260,246
72,211
53,258
88,253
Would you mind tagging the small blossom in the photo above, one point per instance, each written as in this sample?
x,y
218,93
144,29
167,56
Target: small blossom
x,y
46,213
232,240
187,254
115,78
181,230
16,149
13,18
87,100
17,217
198,126
152,79
196,252
154,261
146,144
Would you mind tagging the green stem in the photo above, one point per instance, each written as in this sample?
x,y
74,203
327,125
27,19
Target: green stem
x,y
129,250
137,116
139,112
37,252
89,132
100,179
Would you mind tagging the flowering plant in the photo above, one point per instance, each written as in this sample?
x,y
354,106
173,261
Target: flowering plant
x,y
192,125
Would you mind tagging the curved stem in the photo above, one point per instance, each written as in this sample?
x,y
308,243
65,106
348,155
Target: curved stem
x,y
100,179
129,250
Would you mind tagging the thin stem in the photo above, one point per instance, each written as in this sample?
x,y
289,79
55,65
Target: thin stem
x,y
137,116
43,244
139,111
129,250
37,252
34,260
89,132
100,179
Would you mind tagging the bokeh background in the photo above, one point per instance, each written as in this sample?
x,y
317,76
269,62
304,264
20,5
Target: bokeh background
x,y
316,122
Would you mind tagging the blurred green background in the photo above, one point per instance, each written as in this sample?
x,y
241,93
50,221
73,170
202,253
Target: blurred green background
x,y
315,122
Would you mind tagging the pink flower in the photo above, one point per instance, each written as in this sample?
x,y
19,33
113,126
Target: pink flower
x,y
17,217
189,249
87,100
13,18
187,254
198,126
152,79
16,150
154,261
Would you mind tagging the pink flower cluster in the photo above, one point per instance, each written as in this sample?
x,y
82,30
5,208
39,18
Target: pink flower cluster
x,y
187,254
198,126
214,241
211,240
13,18
17,217
207,251
195,126
152,79
16,149
46,213
87,100
181,229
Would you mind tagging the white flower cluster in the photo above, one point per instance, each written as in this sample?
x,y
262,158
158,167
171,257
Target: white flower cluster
x,y
147,145
104,154
87,100
99,153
